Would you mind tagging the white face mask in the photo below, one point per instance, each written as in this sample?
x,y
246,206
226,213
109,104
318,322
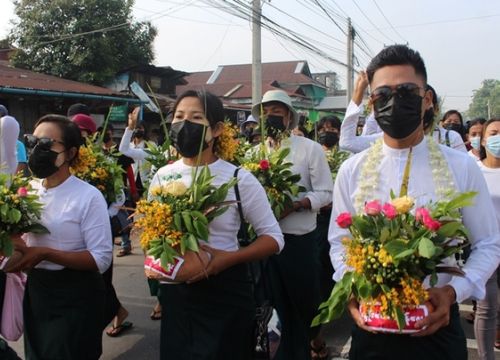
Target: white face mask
x,y
475,142
493,145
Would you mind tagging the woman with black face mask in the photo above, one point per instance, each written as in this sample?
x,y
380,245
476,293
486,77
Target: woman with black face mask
x,y
65,296
452,121
212,316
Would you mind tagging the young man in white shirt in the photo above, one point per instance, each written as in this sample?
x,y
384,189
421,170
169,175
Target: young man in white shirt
x,y
294,272
400,74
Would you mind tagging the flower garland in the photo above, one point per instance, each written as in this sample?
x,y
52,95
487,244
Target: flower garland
x,y
370,175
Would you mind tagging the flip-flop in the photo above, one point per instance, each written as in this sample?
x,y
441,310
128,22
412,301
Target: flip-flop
x,y
155,315
115,331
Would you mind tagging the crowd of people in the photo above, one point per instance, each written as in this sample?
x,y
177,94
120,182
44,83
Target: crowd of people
x,y
70,300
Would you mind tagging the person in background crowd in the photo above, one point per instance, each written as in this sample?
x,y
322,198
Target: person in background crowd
x,y
212,317
294,273
248,127
486,319
132,145
397,77
77,108
452,120
65,293
22,158
86,124
300,131
9,131
474,131
121,215
328,130
114,310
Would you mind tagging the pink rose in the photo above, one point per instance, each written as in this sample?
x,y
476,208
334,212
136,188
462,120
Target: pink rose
x,y
421,214
373,208
431,224
344,220
264,164
389,211
22,192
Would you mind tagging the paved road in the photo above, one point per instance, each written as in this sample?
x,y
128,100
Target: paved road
x,y
142,341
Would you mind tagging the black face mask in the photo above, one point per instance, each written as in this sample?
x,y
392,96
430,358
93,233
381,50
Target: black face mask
x,y
454,127
328,139
248,133
428,117
42,163
274,124
139,133
399,116
187,137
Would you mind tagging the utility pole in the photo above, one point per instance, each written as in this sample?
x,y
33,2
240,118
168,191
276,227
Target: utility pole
x,y
489,109
256,53
350,60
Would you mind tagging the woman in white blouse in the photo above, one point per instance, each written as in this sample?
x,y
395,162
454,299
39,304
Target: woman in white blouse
x,y
64,299
212,317
9,131
486,319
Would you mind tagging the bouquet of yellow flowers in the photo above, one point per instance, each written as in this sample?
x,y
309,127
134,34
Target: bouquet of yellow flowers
x,y
177,217
20,211
99,169
273,172
390,252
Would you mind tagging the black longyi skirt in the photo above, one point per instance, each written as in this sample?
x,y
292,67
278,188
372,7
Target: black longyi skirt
x,y
63,315
209,320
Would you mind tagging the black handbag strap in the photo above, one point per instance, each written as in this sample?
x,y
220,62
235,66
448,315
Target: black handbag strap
x,y
243,238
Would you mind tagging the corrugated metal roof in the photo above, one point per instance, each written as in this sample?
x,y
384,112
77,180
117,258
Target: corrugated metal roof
x,y
25,79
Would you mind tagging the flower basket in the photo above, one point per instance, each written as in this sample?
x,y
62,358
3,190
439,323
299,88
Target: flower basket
x,y
377,320
174,220
180,270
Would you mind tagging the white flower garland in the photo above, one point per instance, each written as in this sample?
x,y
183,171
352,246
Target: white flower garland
x,y
369,175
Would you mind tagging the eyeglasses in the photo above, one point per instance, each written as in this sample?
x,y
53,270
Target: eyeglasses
x,y
44,143
381,95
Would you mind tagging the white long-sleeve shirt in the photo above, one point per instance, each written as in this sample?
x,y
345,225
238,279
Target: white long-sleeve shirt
x,y
9,132
492,177
479,219
76,215
350,142
223,229
308,159
135,152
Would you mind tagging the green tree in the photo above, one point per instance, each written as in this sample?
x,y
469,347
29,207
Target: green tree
x,y
83,40
487,95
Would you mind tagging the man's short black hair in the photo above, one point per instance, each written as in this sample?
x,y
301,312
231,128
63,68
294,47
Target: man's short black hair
x,y
397,55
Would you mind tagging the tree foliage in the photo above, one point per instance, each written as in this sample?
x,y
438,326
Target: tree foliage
x,y
83,40
489,92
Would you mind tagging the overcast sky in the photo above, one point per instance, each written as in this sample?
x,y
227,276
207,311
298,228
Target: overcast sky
x,y
458,39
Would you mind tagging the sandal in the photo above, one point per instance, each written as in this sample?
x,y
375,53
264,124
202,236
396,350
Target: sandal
x,y
124,252
321,352
155,315
115,331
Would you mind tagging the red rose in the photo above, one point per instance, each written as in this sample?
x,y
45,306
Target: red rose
x,y
389,211
264,164
421,214
344,220
22,192
373,208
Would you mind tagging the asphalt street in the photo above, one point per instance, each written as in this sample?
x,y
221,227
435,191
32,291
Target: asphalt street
x,y
142,341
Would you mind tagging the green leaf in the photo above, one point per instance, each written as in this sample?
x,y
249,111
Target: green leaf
x,y
426,248
384,234
450,229
335,305
396,247
400,317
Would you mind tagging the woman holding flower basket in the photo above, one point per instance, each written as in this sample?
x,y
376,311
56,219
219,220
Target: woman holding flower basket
x,y
211,315
420,226
65,296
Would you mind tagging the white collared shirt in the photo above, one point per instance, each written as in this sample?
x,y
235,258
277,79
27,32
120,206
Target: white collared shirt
x,y
479,219
309,160
76,215
223,229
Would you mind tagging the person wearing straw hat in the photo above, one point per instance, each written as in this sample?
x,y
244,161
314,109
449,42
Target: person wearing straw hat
x,y
294,272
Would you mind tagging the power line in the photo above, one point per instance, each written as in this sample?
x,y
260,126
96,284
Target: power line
x,y
390,24
442,21
371,22
331,18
